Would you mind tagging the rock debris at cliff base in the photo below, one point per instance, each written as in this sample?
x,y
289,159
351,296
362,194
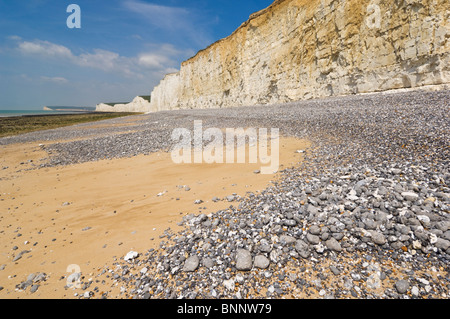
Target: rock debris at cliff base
x,y
364,216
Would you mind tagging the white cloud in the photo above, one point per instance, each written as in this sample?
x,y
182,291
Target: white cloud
x,y
162,56
162,16
158,58
44,48
14,37
152,60
56,79
106,61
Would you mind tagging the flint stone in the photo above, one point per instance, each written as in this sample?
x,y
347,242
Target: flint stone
x,y
289,222
261,262
325,236
320,248
417,244
337,236
191,264
443,225
31,277
243,260
314,230
446,235
424,219
19,255
285,239
24,285
312,239
397,245
208,262
131,255
402,286
73,278
302,248
333,244
265,248
274,256
34,288
404,238
312,210
229,284
370,224
335,270
378,238
442,244
39,277
410,196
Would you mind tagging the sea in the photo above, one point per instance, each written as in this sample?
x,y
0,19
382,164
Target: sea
x,y
11,113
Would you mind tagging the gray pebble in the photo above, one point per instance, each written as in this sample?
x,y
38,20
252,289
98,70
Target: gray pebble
x,y
243,260
208,262
191,264
314,230
402,286
378,238
333,244
261,262
34,288
313,239
302,248
334,270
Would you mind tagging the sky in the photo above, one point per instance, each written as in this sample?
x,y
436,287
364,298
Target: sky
x,y
122,48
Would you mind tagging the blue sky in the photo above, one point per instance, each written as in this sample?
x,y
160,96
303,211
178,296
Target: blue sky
x,y
123,48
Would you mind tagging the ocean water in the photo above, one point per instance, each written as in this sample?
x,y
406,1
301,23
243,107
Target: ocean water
x,y
10,113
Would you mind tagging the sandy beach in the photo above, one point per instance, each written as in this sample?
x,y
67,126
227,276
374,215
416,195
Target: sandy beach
x,y
358,208
86,214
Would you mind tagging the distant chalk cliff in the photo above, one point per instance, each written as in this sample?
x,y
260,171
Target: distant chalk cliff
x,y
140,104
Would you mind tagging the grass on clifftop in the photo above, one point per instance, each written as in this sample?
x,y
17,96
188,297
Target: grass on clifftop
x,y
23,124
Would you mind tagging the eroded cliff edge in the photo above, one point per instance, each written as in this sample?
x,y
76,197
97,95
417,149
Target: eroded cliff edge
x,y
302,49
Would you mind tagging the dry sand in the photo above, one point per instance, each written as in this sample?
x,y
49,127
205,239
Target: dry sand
x,y
87,214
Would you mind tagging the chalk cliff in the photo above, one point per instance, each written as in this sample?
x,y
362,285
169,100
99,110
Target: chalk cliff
x,y
302,49
139,105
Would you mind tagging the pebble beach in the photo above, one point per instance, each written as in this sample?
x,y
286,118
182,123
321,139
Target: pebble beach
x,y
360,209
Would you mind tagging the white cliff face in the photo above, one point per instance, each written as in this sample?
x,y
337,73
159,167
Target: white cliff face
x,y
302,49
138,105
166,94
